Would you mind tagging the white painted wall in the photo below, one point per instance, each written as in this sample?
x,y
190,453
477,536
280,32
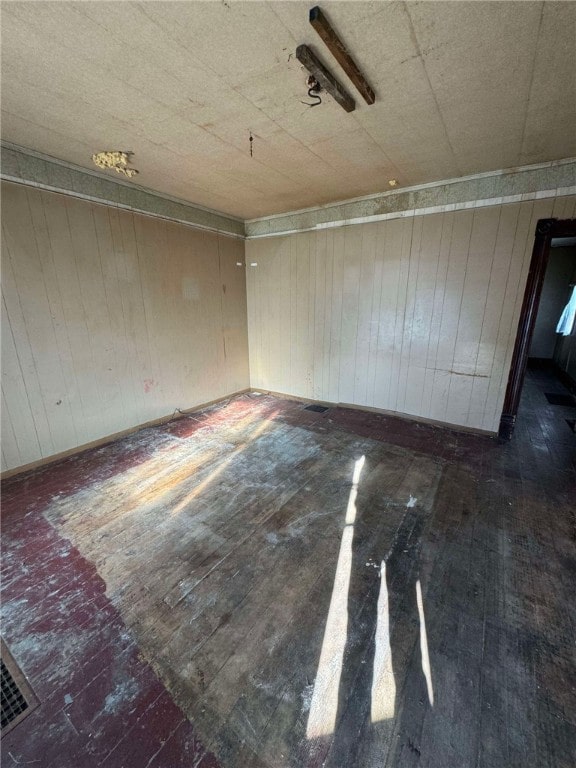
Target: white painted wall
x,y
109,320
416,315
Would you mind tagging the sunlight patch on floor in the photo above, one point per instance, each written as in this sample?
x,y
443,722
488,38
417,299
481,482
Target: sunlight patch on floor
x,y
424,645
324,705
383,683
262,427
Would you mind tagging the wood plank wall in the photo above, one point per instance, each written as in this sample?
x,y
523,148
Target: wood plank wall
x,y
110,320
416,315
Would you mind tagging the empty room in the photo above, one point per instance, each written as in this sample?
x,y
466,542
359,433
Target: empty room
x,y
288,363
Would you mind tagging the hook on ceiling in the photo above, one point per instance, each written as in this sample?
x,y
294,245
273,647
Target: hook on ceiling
x,y
314,89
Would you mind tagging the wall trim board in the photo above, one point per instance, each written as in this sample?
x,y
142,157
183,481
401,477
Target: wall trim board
x,y
531,182
547,180
541,195
421,420
33,465
25,166
119,180
417,187
381,411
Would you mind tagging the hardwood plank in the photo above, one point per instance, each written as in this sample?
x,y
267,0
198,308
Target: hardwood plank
x,y
211,548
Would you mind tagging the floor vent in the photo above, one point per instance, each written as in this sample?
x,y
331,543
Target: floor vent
x,y
316,408
555,399
17,697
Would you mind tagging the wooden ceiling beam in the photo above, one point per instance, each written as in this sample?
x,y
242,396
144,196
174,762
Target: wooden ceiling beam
x,y
325,78
340,53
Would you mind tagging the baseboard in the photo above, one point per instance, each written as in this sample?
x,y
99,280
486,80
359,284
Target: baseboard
x,y
115,436
382,411
295,398
282,395
421,420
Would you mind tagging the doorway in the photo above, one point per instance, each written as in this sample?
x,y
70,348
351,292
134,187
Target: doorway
x,y
560,352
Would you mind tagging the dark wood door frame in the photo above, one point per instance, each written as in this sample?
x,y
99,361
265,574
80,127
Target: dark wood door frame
x,y
546,230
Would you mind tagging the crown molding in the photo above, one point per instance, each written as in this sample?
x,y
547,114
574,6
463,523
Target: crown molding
x,y
25,166
551,179
510,185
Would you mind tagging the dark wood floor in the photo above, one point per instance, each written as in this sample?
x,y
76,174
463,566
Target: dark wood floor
x,y
263,586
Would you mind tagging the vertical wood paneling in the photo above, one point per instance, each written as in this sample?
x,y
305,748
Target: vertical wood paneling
x,y
378,245
21,325
70,408
265,318
451,309
328,242
276,317
304,327
409,330
508,320
336,240
117,354
395,306
124,275
366,329
389,250
282,268
427,247
17,408
11,456
492,311
319,302
85,258
234,321
474,298
435,319
351,300
253,299
416,314
109,320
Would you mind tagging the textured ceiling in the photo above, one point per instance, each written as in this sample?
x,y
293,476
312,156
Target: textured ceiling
x,y
462,87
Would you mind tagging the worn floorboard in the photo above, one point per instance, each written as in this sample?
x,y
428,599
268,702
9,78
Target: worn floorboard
x,y
260,586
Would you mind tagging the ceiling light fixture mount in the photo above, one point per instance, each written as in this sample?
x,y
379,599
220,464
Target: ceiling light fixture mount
x,y
116,160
